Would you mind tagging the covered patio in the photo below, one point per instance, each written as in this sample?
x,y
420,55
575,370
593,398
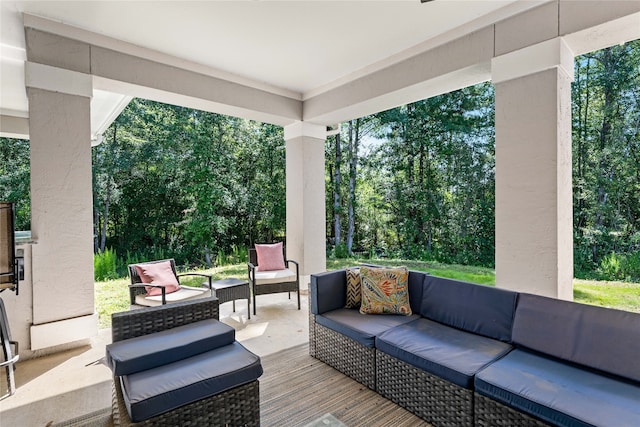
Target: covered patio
x,y
69,68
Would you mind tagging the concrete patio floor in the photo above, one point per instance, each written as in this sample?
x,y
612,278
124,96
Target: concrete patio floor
x,y
65,385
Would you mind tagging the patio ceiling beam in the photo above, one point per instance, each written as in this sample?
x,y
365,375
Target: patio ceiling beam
x,y
134,71
450,66
14,127
585,25
141,77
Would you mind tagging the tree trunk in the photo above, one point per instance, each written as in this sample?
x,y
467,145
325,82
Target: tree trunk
x,y
354,139
337,178
103,238
605,136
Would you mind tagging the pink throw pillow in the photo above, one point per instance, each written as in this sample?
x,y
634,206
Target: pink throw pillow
x,y
158,273
270,257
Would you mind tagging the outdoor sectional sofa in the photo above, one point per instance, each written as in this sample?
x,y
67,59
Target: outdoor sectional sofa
x,y
477,355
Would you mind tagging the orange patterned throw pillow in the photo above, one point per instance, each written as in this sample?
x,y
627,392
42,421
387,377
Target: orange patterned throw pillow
x,y
270,257
354,287
385,290
158,273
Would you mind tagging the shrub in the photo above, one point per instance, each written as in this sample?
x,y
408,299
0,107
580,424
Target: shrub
x,y
621,266
340,251
104,265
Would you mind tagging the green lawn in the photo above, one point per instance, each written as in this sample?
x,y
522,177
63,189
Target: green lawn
x,y
112,295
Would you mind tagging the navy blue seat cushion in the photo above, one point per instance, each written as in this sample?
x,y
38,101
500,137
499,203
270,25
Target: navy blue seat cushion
x,y
474,308
559,393
160,348
446,352
156,391
361,328
597,337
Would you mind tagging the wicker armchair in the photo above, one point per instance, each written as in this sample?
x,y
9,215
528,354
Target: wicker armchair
x,y
271,282
138,290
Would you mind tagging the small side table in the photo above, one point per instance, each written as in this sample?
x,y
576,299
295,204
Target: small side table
x,y
230,290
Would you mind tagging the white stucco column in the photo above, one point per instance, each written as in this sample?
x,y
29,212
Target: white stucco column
x,y
534,218
306,225
61,205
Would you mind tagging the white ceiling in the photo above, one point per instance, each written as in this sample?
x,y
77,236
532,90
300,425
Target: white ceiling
x,y
301,47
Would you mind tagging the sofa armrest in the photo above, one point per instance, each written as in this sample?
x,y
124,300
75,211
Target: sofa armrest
x,y
328,291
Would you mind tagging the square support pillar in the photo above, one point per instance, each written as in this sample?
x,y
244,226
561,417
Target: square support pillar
x,y
534,206
306,216
61,206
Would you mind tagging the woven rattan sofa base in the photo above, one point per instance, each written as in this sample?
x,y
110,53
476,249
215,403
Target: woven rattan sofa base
x,y
239,406
488,412
433,399
312,334
346,355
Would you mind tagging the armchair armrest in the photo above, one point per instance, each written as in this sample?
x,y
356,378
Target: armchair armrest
x,y
288,261
251,269
208,276
151,285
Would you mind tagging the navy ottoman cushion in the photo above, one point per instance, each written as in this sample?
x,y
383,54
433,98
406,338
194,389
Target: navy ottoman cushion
x,y
156,391
446,352
160,348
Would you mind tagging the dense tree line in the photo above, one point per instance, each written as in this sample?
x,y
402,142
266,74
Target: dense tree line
x,y
416,181
426,187
187,183
606,161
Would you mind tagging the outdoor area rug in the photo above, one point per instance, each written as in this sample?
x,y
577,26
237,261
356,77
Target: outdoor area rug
x,y
327,420
296,390
101,418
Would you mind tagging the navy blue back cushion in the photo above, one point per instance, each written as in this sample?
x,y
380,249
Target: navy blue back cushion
x,y
597,337
328,291
416,285
480,309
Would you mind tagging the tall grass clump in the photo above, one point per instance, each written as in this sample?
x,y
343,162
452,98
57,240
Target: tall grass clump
x,y
238,255
617,266
105,265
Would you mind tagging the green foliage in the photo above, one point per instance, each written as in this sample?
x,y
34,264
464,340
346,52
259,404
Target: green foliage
x,y
186,184
606,154
14,179
428,183
340,251
238,255
105,265
621,267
